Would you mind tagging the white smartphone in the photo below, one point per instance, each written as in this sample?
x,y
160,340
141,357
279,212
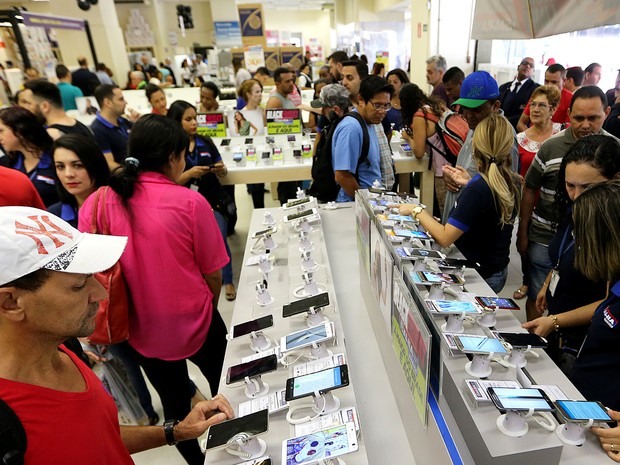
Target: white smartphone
x,y
297,216
479,345
319,381
320,445
450,307
297,203
582,410
264,232
307,337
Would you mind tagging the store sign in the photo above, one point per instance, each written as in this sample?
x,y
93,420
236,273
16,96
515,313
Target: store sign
x,y
227,34
252,25
211,124
56,22
280,121
254,58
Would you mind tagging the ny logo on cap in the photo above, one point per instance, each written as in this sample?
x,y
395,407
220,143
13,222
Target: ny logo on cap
x,y
35,233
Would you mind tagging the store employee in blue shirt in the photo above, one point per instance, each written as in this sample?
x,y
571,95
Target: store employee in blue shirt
x,y
111,130
373,103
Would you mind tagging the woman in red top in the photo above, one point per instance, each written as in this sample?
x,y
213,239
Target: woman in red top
x,y
544,102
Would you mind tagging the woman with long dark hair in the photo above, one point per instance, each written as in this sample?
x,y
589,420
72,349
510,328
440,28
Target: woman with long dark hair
x,y
203,166
28,146
172,265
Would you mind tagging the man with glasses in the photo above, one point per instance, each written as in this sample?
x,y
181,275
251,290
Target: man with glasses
x,y
479,99
554,76
514,95
373,102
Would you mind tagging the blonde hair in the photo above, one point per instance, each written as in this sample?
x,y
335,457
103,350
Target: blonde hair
x,y
492,143
246,88
597,232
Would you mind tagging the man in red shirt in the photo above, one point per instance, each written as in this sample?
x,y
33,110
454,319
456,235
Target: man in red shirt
x,y
554,76
16,189
48,293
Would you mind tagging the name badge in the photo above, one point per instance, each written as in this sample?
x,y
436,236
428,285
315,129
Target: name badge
x,y
193,186
553,282
46,179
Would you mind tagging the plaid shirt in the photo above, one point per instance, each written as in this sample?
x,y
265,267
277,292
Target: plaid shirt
x,y
387,164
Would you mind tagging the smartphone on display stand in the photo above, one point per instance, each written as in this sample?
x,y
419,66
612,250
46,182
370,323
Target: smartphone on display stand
x,y
303,305
582,410
264,232
270,140
250,326
320,445
411,233
260,461
479,345
520,399
306,337
277,151
423,253
503,303
249,140
406,148
250,369
290,138
430,277
320,381
237,156
297,153
296,216
453,307
225,143
250,425
297,203
524,340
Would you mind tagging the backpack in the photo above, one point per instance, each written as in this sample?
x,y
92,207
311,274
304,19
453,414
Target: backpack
x,y
452,131
324,186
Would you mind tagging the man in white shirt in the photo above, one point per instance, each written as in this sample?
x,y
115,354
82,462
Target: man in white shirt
x,y
241,74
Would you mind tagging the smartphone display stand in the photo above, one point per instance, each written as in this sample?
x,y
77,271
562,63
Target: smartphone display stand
x,y
255,387
268,219
247,447
315,317
305,244
331,206
310,288
259,342
454,323
514,424
300,194
480,366
325,403
334,461
264,265
420,265
488,319
307,261
302,224
268,242
263,297
436,291
517,356
320,351
573,433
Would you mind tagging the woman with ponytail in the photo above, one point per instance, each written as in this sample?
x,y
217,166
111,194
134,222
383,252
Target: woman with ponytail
x,y
172,265
480,225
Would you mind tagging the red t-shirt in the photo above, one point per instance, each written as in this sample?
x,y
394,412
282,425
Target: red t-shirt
x,y
561,112
17,190
68,428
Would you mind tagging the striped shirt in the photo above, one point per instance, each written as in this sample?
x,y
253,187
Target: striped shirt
x,y
387,164
542,176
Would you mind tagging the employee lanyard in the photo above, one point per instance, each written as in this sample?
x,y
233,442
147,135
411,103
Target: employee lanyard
x,y
562,251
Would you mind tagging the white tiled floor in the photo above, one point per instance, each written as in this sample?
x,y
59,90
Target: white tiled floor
x,y
169,455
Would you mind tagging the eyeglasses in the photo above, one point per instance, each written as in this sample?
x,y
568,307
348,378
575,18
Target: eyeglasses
x,y
540,105
381,106
528,64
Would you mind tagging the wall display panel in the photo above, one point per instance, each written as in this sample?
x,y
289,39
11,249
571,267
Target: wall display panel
x,y
381,268
362,217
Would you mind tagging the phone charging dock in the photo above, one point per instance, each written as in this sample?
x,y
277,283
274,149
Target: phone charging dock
x,y
258,342
255,387
573,434
513,424
249,448
480,366
454,324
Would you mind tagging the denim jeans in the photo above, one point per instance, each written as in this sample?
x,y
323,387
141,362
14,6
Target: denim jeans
x,y
222,223
497,280
539,265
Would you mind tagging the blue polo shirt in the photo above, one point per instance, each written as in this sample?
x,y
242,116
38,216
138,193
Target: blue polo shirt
x,y
346,151
484,239
205,153
596,372
68,93
65,211
42,176
112,139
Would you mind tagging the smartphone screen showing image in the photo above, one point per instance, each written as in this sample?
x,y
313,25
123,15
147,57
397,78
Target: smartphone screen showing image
x,y
320,445
520,399
503,303
290,138
321,381
406,147
479,345
277,151
306,337
411,233
237,156
582,410
297,153
436,278
249,140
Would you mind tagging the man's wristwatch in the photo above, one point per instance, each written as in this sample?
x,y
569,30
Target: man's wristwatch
x,y
169,431
417,210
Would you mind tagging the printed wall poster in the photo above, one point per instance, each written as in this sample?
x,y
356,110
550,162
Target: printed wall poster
x,y
252,24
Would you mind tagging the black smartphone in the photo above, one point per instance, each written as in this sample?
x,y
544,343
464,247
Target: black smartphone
x,y
266,155
296,216
249,140
321,381
503,303
457,263
225,143
582,410
520,399
297,153
303,305
251,425
252,368
250,326
524,340
270,140
290,138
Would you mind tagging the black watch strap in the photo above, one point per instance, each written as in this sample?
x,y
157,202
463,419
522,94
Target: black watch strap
x,y
169,431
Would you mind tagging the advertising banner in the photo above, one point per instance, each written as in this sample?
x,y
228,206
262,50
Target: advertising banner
x,y
227,34
211,124
252,25
280,121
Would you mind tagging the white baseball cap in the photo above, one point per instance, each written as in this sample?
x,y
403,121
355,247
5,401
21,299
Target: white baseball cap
x,y
31,239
